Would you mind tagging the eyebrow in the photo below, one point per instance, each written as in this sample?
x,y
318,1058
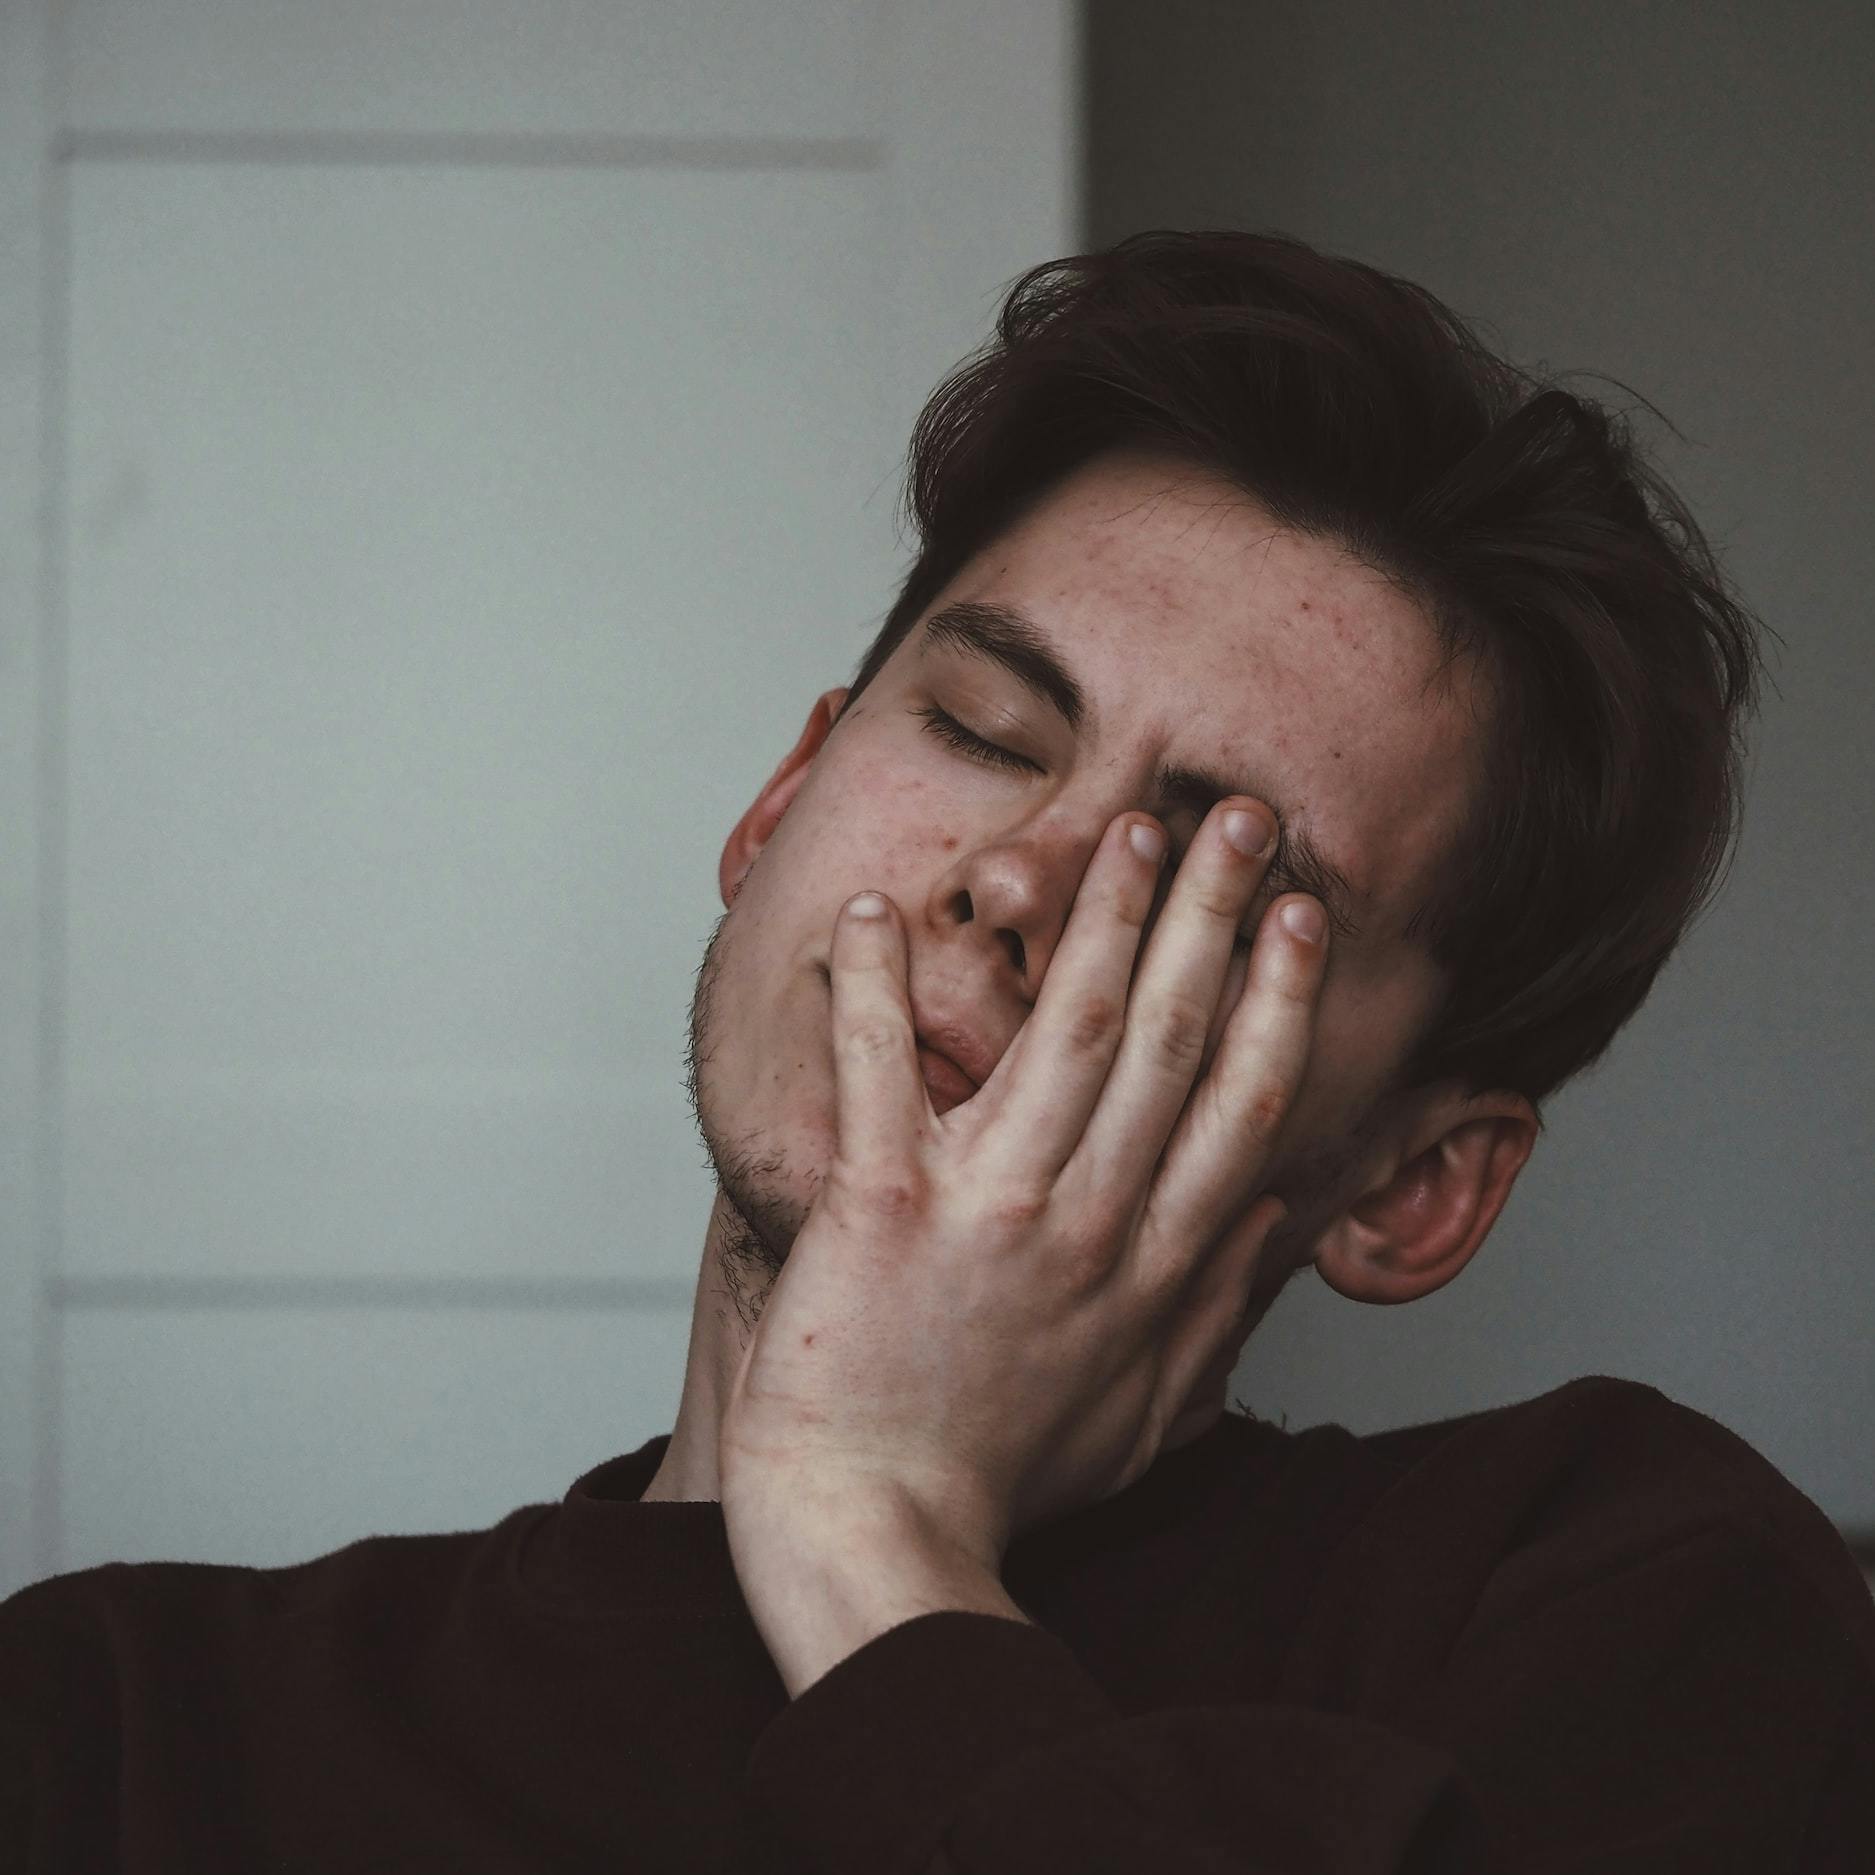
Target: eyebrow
x,y
1004,636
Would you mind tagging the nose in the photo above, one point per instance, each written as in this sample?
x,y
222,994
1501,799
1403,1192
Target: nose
x,y
1017,894
963,911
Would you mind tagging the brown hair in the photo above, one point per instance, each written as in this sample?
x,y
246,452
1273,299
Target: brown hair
x,y
1359,409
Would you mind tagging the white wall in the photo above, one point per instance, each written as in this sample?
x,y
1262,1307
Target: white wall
x,y
1678,196
446,449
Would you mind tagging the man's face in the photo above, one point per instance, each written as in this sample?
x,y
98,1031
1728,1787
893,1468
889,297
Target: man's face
x,y
1200,636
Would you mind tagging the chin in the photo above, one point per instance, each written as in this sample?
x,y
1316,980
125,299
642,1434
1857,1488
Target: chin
x,y
769,1150
769,1168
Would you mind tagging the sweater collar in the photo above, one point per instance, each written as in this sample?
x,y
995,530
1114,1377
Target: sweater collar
x,y
604,1550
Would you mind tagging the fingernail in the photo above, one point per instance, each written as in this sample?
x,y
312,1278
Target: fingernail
x,y
1303,917
1249,831
1148,842
866,905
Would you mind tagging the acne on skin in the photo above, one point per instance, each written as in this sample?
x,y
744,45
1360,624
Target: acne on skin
x,y
1271,655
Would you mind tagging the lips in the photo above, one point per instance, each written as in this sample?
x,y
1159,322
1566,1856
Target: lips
x,y
949,1086
973,1058
962,1051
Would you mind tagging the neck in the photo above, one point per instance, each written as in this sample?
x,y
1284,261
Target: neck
x,y
717,1340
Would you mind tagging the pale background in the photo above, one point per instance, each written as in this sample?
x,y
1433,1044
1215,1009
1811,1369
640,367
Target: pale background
x,y
443,450
447,446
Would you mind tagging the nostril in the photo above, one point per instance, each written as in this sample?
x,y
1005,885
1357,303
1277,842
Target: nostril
x,y
961,908
1014,945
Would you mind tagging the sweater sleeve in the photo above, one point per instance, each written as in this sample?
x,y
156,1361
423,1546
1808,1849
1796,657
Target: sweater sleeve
x,y
1703,1709
58,1733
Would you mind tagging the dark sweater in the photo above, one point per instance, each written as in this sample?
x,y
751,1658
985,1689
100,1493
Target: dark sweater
x,y
1594,1631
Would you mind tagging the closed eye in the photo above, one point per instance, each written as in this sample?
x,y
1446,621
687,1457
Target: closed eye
x,y
941,723
948,730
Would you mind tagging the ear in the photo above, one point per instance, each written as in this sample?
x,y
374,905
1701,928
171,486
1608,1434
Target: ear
x,y
755,829
1442,1180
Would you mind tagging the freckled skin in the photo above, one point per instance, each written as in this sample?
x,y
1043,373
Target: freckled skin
x,y
1176,600
1202,632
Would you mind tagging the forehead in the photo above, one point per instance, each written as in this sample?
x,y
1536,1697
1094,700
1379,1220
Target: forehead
x,y
1204,632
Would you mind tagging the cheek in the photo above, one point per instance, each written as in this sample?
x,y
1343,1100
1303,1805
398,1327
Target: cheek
x,y
896,834
1363,1027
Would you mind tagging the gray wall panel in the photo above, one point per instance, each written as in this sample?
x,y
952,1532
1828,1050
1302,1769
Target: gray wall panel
x,y
1678,197
703,68
266,1436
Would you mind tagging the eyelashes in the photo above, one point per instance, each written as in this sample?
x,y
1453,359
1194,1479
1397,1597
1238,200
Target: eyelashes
x,y
939,722
948,730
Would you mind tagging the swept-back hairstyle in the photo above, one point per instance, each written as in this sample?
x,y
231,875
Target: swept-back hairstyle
x,y
1521,519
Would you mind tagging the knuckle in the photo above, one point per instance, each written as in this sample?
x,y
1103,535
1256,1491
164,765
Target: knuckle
x,y
1300,990
1178,1026
1282,988
1109,1217
1019,1206
1295,1006
1266,1111
1092,1022
871,1039
1132,903
1081,1263
882,1194
1221,899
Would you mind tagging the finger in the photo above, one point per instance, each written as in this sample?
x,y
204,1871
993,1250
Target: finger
x,y
1222,1146
1060,1060
880,1100
1173,999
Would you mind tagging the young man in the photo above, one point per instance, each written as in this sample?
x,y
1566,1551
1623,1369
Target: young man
x,y
1294,753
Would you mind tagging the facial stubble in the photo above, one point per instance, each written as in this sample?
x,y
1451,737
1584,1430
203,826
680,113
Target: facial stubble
x,y
754,1223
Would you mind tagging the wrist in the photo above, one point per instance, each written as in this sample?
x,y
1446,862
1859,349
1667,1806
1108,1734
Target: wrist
x,y
805,1506
825,1572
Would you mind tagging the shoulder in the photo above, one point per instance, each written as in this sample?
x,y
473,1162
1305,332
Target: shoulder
x,y
1606,1439
1603,1472
98,1662
1601,1522
93,1624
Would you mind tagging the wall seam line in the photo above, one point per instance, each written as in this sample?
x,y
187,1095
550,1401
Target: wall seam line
x,y
468,149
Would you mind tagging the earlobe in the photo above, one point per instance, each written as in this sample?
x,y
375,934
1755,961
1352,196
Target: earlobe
x,y
1416,1231
757,826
